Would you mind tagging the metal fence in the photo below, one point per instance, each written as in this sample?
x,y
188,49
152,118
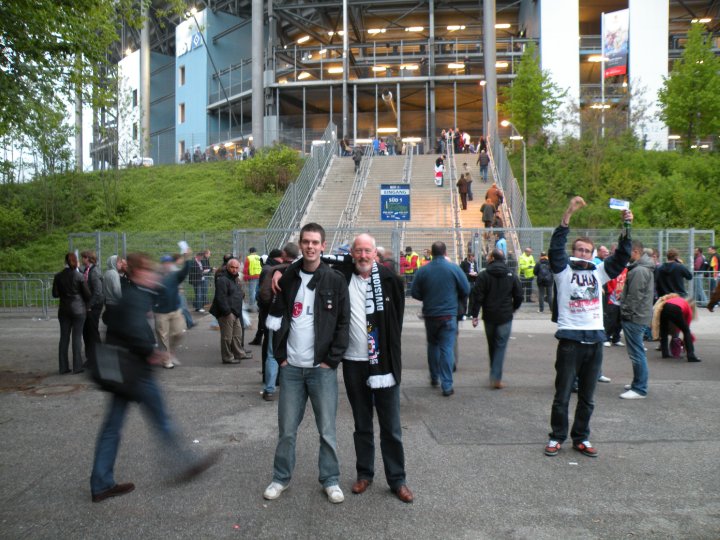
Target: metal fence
x,y
26,295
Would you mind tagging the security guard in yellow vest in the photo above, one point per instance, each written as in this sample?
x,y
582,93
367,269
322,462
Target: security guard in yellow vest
x,y
251,274
408,266
526,270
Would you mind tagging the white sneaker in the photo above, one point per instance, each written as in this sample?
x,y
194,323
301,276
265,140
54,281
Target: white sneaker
x,y
273,491
627,386
335,494
606,344
618,344
603,378
632,394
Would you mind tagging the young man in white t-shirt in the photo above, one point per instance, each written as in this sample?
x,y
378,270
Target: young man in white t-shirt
x,y
580,334
310,319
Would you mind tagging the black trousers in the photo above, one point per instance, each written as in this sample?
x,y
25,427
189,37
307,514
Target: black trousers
x,y
671,317
386,402
91,333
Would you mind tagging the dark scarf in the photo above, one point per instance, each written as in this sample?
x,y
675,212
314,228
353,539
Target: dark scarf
x,y
380,368
380,365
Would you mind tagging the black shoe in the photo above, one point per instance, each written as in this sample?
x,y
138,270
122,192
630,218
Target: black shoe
x,y
268,396
694,359
255,342
233,361
574,389
115,491
434,384
448,393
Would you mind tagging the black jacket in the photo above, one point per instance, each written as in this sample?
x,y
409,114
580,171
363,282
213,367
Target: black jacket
x,y
331,308
128,325
466,266
394,291
95,283
669,278
74,294
228,296
498,291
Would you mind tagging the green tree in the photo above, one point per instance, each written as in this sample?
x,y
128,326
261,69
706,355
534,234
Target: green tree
x,y
49,49
532,100
689,100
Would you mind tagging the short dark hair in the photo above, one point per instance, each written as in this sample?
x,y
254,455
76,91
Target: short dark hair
x,y
313,227
637,244
672,254
584,239
275,254
497,255
438,249
252,250
291,249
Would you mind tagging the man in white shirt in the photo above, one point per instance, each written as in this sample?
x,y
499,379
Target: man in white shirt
x,y
310,319
372,365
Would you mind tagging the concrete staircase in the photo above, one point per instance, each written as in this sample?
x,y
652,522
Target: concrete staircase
x,y
331,197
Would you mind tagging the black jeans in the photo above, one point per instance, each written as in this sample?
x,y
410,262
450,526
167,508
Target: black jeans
x,y
387,404
71,324
527,288
671,316
91,333
544,294
584,361
611,322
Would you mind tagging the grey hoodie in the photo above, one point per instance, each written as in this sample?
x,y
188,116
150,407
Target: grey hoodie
x,y
637,299
111,282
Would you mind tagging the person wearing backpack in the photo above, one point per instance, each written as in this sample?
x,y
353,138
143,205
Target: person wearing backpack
x,y
544,282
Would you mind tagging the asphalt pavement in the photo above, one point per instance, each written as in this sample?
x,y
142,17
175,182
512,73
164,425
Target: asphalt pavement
x,y
474,460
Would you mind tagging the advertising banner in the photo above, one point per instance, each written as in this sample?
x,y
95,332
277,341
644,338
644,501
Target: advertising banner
x,y
394,202
615,34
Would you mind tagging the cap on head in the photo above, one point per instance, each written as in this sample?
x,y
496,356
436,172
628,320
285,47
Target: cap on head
x,y
167,259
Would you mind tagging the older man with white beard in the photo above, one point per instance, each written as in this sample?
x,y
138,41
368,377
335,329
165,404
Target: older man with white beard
x,y
372,363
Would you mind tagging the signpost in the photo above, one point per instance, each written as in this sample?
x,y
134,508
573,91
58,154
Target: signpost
x,y
394,202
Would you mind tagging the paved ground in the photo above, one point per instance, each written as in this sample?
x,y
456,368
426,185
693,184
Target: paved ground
x,y
474,461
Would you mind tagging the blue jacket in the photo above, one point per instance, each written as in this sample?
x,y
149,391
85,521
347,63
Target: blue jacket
x,y
441,286
168,298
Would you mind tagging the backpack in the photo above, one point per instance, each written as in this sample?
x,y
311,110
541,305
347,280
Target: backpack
x,y
544,276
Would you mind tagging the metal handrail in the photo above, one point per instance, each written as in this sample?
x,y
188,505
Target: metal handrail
x,y
406,179
295,201
452,173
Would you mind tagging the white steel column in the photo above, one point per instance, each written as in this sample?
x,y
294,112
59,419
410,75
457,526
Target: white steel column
x,y
648,64
560,55
258,92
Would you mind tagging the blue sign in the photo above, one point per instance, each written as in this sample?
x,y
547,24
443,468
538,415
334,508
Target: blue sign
x,y
395,202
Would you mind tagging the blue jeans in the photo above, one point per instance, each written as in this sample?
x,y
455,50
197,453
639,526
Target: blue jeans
x,y
320,385
497,338
252,291
636,351
271,365
484,173
700,295
149,397
584,361
386,402
440,334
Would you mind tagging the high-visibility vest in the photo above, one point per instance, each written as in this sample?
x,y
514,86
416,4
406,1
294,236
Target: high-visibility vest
x,y
526,266
254,265
412,263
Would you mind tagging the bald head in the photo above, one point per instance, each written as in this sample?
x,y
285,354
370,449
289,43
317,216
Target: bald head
x,y
364,252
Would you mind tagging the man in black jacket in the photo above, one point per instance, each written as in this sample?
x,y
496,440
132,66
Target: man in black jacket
x,y
227,308
128,329
310,318
499,292
372,364
670,277
91,328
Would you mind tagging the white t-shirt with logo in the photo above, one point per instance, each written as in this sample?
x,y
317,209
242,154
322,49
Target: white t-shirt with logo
x,y
301,340
360,305
579,295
